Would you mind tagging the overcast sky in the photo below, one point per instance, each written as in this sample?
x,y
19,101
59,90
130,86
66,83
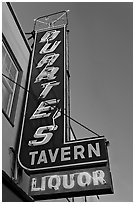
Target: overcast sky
x,y
101,78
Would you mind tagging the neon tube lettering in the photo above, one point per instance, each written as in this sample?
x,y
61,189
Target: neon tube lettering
x,y
50,35
47,87
46,48
48,59
39,134
47,73
79,153
57,182
71,183
33,157
45,106
53,156
65,153
98,176
42,157
34,185
84,179
92,149
46,136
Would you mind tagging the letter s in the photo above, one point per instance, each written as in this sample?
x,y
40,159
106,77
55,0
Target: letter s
x,y
39,134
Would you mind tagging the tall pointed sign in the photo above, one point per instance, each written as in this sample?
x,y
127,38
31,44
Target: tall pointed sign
x,y
44,122
45,152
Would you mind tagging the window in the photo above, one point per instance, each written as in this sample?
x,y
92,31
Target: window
x,y
11,73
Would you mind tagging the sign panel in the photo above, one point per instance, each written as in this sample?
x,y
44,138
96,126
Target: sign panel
x,y
43,138
44,146
69,155
93,181
44,118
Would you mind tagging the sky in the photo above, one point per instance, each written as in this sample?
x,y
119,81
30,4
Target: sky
x,y
101,69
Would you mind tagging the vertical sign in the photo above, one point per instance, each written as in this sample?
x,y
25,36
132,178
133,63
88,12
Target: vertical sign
x,y
43,144
45,102
67,167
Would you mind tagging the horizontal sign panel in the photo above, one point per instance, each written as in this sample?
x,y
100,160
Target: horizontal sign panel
x,y
88,181
69,155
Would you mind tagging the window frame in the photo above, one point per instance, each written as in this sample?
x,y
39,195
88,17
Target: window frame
x,y
11,117
6,82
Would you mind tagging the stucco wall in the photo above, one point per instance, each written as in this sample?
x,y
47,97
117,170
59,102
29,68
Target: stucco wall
x,y
20,50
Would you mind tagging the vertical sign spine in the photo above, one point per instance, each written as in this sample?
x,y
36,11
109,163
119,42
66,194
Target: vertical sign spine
x,y
44,120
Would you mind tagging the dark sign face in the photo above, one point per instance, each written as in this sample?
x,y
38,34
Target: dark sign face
x,y
43,144
44,121
93,181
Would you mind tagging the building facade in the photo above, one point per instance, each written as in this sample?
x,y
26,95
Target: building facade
x,y
15,66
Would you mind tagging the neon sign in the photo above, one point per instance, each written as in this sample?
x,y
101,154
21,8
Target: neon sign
x,y
92,152
44,131
61,184
44,147
43,118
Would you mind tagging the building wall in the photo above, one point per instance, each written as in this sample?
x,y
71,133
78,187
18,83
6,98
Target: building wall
x,y
20,49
